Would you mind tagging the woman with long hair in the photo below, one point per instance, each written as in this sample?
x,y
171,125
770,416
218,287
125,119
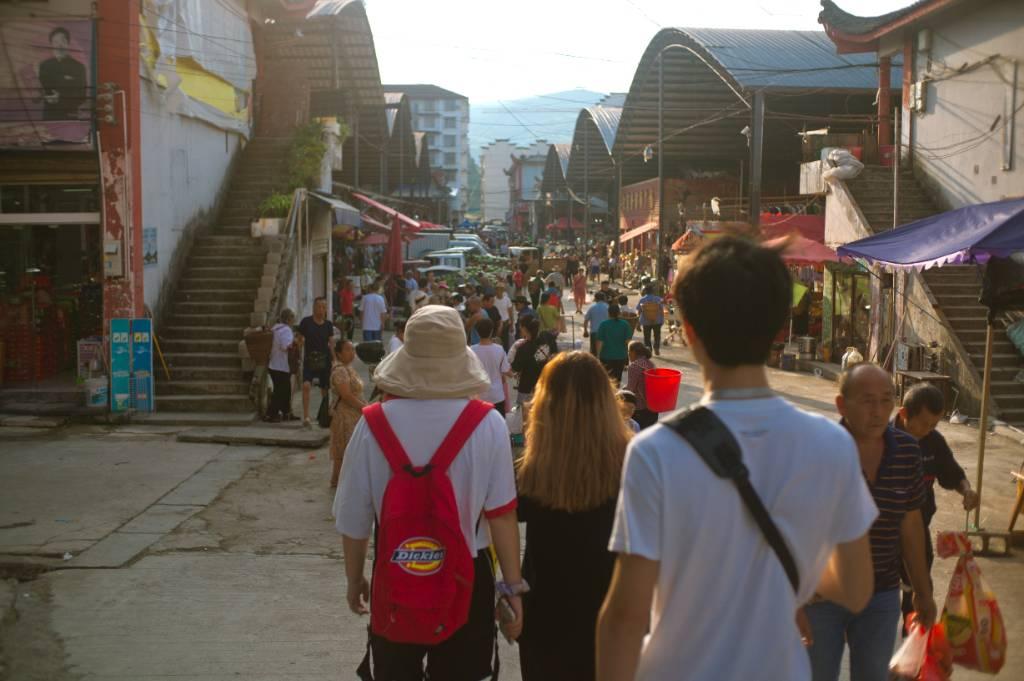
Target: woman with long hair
x,y
568,484
640,362
346,384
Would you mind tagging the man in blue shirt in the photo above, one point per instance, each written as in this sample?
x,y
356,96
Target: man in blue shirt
x,y
652,318
597,313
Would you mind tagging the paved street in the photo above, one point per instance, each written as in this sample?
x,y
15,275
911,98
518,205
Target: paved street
x,y
214,562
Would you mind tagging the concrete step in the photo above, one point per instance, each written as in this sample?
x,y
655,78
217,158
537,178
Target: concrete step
x,y
1014,417
216,295
204,403
204,387
211,239
222,309
229,272
234,230
230,261
208,419
188,373
235,220
255,253
205,346
955,296
1000,346
197,358
1003,359
227,333
190,283
963,287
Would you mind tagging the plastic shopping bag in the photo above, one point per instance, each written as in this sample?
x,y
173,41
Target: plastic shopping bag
x,y
971,616
924,656
514,421
906,663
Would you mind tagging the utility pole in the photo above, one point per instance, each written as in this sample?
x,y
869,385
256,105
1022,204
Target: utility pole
x,y
660,274
756,159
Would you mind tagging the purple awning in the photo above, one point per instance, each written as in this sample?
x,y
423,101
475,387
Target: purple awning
x,y
971,234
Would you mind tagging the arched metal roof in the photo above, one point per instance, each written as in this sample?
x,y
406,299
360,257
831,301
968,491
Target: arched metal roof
x,y
555,168
709,77
592,143
332,47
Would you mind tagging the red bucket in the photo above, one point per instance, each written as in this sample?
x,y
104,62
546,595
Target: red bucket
x,y
662,388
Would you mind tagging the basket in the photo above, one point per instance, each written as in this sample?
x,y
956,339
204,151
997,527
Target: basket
x,y
259,344
651,313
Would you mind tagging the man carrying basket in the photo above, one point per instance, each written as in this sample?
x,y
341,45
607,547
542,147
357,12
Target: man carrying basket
x,y
652,318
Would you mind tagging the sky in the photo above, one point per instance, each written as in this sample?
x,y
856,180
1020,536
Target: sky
x,y
491,51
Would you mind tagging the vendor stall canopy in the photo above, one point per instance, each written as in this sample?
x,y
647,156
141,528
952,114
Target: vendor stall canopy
x,y
709,80
972,234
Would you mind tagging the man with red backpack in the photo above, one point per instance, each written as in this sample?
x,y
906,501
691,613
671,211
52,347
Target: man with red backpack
x,y
429,473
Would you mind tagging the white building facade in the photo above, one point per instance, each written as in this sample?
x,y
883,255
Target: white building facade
x,y
495,163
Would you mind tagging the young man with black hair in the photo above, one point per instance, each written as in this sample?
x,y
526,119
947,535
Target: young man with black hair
x,y
592,320
315,334
613,338
923,407
698,593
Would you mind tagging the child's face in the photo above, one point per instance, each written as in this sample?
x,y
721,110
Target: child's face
x,y
627,409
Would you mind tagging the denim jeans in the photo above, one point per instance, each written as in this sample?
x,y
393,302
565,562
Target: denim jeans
x,y
371,335
871,635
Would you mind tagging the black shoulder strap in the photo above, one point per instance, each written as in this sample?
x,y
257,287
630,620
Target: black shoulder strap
x,y
718,448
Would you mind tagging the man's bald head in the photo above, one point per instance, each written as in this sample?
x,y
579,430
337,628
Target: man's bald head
x,y
863,375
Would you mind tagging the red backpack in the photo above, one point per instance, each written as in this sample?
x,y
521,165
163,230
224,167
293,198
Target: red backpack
x,y
423,571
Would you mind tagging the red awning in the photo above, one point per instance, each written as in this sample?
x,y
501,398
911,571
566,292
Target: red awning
x,y
637,231
375,239
809,226
803,251
561,223
387,210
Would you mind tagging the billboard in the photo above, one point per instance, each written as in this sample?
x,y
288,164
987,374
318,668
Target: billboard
x,y
47,83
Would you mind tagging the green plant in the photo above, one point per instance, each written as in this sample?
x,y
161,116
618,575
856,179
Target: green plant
x,y
305,155
276,205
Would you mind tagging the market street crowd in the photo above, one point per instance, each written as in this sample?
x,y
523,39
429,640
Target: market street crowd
x,y
636,528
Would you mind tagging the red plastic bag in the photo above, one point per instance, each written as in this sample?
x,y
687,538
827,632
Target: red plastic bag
x,y
971,616
924,656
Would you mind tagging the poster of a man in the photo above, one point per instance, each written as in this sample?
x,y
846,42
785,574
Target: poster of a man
x,y
47,77
63,80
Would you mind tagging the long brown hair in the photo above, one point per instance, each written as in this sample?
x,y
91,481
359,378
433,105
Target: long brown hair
x,y
575,436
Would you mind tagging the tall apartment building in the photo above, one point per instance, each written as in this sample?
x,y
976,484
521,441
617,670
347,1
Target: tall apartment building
x,y
443,116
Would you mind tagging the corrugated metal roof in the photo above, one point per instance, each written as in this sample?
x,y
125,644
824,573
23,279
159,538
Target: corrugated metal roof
x,y
606,119
788,59
564,151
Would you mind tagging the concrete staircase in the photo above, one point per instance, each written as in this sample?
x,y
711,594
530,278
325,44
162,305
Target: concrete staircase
x,y
955,288
215,298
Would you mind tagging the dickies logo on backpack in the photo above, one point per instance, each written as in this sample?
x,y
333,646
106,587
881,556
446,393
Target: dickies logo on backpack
x,y
423,578
420,556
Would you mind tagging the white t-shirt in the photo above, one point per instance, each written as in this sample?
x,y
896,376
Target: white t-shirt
x,y
394,344
373,306
495,361
481,474
503,305
723,607
283,338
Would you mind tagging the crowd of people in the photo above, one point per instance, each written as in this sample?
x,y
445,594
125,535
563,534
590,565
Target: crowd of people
x,y
641,561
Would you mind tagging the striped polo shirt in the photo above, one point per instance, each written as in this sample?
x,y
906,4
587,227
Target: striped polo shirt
x,y
898,489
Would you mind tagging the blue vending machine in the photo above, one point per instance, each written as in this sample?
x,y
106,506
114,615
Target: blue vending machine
x,y
120,365
142,364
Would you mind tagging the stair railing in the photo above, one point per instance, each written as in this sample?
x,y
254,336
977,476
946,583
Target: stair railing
x,y
285,273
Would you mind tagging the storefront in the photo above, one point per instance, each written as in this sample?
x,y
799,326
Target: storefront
x,y
846,313
51,279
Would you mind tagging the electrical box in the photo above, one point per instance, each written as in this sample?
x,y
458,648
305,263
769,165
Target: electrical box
x,y
113,263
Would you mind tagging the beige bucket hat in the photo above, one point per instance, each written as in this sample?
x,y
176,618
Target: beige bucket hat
x,y
434,363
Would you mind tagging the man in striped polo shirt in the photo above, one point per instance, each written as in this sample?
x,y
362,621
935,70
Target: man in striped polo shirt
x,y
891,462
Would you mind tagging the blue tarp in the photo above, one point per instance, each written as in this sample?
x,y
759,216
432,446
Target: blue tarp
x,y
971,234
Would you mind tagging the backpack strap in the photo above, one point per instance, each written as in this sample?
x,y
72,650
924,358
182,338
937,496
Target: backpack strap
x,y
711,439
468,420
392,448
